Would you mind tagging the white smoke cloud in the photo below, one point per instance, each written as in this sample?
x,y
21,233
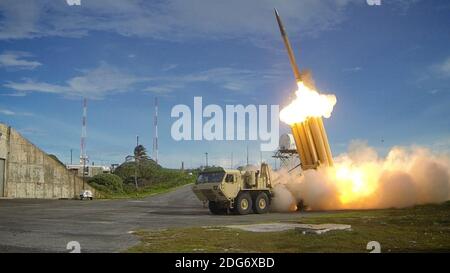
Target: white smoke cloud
x,y
406,176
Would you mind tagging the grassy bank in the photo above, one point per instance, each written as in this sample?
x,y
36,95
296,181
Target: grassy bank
x,y
418,229
147,191
151,180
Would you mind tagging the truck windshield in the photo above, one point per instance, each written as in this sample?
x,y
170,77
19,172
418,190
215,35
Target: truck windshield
x,y
210,177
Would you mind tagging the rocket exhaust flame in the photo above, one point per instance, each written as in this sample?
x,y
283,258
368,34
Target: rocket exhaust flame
x,y
293,207
308,103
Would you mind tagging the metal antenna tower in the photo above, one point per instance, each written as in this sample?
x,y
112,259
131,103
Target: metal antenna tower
x,y
155,137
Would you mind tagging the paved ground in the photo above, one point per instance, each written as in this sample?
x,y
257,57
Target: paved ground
x,y
105,225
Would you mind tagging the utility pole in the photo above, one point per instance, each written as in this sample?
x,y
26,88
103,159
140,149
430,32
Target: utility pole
x,y
206,154
247,154
136,162
84,171
71,161
135,172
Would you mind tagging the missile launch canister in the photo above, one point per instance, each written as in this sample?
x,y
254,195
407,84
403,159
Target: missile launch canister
x,y
310,136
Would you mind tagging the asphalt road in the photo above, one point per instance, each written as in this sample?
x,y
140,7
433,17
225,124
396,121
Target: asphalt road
x,y
34,225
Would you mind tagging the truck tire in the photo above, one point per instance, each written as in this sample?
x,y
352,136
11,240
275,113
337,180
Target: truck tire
x,y
243,204
214,208
261,204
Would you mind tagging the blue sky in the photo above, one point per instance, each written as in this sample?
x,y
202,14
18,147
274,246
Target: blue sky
x,y
388,65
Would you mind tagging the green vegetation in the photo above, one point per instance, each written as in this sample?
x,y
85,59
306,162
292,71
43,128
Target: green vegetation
x,y
140,176
147,172
107,183
213,169
418,229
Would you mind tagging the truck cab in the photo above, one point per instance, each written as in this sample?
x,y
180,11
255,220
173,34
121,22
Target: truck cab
x,y
239,192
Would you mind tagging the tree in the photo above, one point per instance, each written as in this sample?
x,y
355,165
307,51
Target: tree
x,y
140,153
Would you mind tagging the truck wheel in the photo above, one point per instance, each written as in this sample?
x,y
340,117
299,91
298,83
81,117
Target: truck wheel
x,y
214,208
243,203
261,204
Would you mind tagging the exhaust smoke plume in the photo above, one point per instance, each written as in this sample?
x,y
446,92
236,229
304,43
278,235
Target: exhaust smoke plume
x,y
361,179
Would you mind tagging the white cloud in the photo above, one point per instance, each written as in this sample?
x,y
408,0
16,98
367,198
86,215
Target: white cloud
x,y
353,69
16,94
106,79
172,19
103,80
8,112
164,87
16,60
95,83
31,85
32,131
443,69
440,70
169,67
233,79
433,91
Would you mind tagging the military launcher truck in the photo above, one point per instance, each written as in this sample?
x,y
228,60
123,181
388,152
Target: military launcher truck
x,y
235,191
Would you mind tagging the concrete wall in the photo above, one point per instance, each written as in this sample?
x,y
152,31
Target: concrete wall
x,y
31,173
3,146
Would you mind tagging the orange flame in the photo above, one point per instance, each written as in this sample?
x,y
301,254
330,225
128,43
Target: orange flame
x,y
293,207
308,103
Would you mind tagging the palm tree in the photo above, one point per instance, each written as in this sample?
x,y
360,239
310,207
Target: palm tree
x,y
140,153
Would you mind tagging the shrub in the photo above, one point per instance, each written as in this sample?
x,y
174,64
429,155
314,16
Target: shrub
x,y
146,168
151,178
107,182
